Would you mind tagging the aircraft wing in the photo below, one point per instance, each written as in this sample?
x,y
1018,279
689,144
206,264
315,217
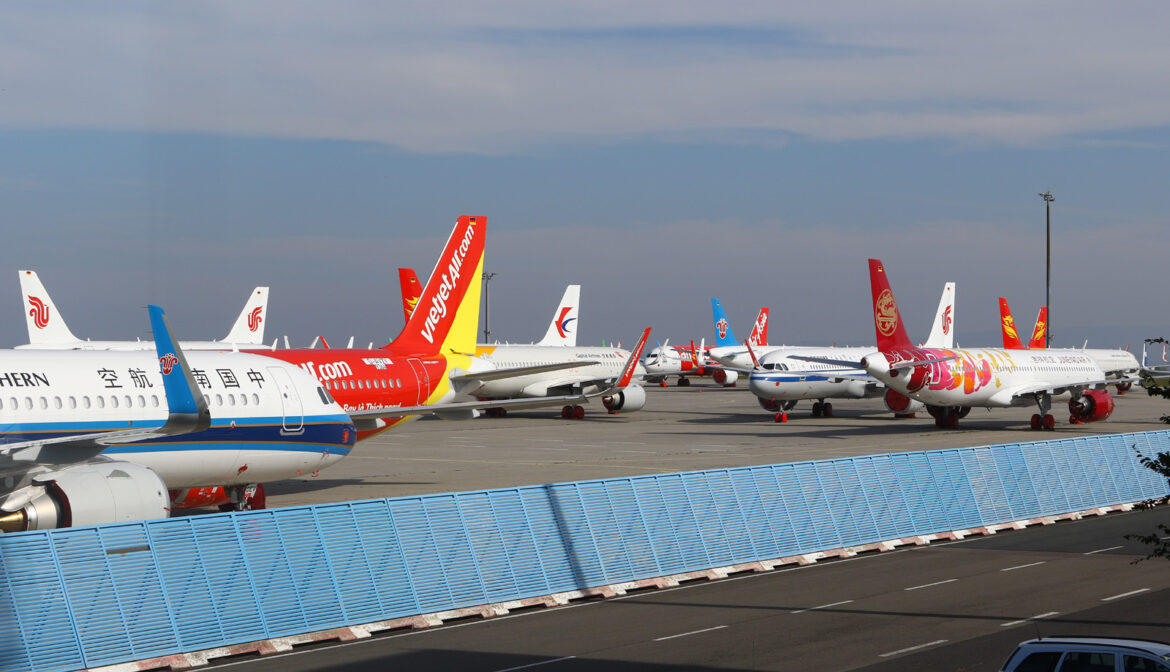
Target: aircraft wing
x,y
516,371
458,406
1031,391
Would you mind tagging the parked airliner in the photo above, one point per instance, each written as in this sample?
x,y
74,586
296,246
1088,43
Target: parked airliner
x,y
47,329
91,437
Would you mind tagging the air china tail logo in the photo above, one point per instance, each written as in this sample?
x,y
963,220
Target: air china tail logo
x,y
254,318
721,326
447,286
168,362
946,320
562,321
1009,326
39,312
885,313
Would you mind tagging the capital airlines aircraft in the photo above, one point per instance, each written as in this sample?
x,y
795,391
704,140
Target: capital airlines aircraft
x,y
1116,363
47,329
950,382
432,361
91,437
783,376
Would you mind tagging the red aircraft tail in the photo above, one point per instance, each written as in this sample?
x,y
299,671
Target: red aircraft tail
x,y
887,322
1039,334
1011,338
446,317
760,331
411,290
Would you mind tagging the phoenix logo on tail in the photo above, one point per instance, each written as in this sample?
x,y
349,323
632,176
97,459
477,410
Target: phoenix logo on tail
x,y
254,318
946,320
885,313
1009,326
39,312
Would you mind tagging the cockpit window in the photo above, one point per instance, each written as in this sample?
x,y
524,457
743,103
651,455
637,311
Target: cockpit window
x,y
324,396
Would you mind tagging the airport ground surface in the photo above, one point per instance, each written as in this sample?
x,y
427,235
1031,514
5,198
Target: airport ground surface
x,y
681,429
947,606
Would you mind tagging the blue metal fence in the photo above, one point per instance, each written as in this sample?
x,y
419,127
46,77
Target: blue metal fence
x,y
94,596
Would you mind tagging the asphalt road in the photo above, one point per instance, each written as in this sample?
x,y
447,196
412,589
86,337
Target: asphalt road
x,y
954,606
681,429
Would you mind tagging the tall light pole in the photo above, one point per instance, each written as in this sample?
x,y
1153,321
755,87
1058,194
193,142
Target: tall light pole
x,y
487,308
1048,199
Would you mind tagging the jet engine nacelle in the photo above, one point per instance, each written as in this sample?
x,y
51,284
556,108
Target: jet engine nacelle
x,y
769,405
898,403
725,377
632,398
88,494
1092,406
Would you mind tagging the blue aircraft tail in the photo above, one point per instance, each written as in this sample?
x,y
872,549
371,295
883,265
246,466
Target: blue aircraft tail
x,y
723,333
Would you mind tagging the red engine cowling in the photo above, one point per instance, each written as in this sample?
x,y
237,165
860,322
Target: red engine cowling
x,y
1092,406
769,405
898,403
725,377
88,494
632,398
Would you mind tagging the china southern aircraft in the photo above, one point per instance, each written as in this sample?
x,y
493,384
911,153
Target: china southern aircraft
x,y
47,329
90,437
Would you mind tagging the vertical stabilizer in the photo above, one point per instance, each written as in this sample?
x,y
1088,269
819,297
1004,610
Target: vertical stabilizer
x,y
760,329
723,333
563,328
942,331
249,326
447,315
1007,323
887,321
411,290
1040,333
45,324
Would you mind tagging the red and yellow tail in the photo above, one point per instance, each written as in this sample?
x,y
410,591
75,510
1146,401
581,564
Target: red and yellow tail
x,y
1011,338
887,321
411,290
1040,333
446,318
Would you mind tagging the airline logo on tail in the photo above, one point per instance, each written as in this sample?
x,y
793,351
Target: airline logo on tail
x,y
563,323
454,266
39,312
1038,334
254,318
167,362
885,313
946,321
721,326
1009,326
760,331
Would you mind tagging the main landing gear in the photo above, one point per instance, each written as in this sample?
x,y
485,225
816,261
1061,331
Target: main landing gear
x,y
683,381
573,412
947,417
245,497
1043,420
495,412
822,408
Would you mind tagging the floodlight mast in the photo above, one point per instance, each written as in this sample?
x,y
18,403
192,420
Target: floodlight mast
x,y
1048,199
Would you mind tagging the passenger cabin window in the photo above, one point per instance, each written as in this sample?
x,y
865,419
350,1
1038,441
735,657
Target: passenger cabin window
x,y
101,401
72,402
113,401
142,401
57,403
154,400
255,399
85,403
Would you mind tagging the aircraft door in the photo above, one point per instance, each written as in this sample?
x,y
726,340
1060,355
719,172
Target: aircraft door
x,y
423,378
292,410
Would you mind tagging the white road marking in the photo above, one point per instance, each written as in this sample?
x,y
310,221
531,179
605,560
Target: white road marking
x,y
1031,618
693,632
643,452
1102,550
545,662
928,585
823,606
548,440
913,648
1118,597
1008,569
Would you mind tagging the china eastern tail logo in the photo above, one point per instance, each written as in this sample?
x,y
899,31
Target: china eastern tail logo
x,y
946,320
563,321
168,362
39,312
254,318
721,326
885,314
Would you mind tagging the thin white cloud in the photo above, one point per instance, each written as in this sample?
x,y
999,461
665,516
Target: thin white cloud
x,y
510,76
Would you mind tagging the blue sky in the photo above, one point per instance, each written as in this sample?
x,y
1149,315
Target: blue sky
x,y
658,154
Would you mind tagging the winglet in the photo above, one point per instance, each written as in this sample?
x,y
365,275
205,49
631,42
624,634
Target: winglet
x,y
45,324
632,362
188,410
249,326
561,331
1040,332
1011,338
887,321
723,333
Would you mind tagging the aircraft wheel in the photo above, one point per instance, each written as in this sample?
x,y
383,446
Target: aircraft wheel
x,y
501,412
952,420
827,410
684,382
1049,423
816,409
1036,421
939,420
567,412
578,412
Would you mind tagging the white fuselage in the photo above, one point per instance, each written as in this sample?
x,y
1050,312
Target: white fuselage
x,y
270,420
130,346
783,377
609,365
